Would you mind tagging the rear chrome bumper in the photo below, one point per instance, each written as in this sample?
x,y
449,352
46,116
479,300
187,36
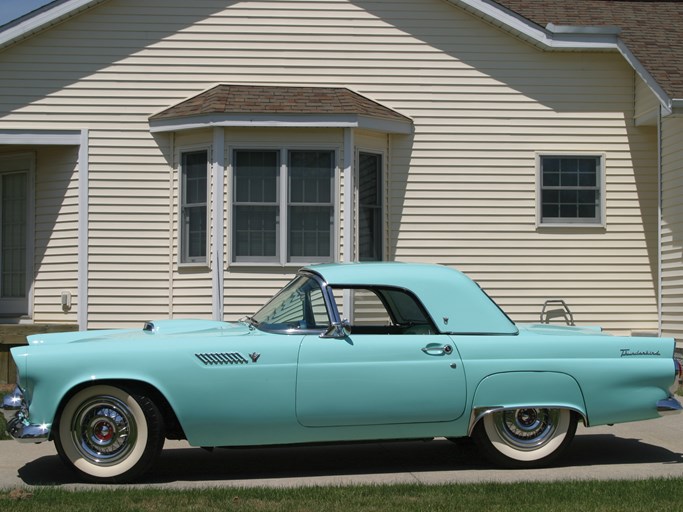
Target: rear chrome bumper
x,y
669,406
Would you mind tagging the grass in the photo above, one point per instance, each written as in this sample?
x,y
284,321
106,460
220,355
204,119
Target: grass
x,y
662,495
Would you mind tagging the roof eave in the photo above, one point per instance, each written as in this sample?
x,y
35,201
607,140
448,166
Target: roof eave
x,y
281,121
564,37
40,20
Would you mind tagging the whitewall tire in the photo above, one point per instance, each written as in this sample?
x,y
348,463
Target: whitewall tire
x,y
108,434
525,438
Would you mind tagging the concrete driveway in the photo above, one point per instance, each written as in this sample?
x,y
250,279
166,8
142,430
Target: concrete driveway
x,y
646,449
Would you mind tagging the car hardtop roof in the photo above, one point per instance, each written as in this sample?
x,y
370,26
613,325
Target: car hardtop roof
x,y
454,301
385,273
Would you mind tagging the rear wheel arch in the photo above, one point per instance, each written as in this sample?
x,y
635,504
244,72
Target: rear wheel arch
x,y
522,389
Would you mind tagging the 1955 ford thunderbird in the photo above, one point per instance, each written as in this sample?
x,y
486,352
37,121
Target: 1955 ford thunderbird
x,y
344,352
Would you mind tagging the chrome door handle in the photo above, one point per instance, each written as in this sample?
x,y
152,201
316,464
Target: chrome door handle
x,y
436,350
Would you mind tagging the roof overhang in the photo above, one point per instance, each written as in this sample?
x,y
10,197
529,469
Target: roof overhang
x,y
41,19
280,121
564,38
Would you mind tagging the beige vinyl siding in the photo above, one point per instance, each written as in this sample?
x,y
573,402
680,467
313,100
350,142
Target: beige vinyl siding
x,y
461,190
672,228
56,233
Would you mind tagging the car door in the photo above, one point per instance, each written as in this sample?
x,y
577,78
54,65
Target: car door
x,y
379,375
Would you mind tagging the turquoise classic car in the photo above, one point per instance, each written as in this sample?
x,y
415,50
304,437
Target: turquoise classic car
x,y
344,352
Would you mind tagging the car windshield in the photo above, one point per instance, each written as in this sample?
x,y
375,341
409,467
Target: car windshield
x,y
298,306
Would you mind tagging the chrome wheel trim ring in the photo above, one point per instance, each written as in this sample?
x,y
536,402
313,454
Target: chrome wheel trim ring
x,y
104,430
526,429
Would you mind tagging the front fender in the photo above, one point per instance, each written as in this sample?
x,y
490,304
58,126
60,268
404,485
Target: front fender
x,y
514,390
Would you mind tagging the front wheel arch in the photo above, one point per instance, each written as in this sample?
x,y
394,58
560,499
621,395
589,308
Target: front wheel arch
x,y
173,428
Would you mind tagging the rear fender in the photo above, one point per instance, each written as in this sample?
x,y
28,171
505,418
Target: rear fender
x,y
515,390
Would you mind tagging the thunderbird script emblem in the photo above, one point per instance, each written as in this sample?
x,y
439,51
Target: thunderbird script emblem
x,y
254,356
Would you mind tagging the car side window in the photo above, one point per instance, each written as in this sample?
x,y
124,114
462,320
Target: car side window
x,y
383,310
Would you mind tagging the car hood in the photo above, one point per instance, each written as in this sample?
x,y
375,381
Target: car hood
x,y
154,330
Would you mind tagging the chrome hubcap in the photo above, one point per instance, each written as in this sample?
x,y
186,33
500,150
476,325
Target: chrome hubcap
x,y
104,430
526,429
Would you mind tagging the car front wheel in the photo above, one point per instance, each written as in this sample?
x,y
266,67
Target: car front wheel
x,y
525,438
108,434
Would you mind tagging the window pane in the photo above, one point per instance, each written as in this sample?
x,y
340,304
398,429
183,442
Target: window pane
x,y
196,231
570,189
370,207
310,231
310,176
194,207
195,177
14,188
256,174
255,231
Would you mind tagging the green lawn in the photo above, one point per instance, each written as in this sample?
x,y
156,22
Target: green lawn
x,y
660,495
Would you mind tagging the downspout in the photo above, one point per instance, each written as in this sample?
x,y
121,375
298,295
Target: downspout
x,y
83,234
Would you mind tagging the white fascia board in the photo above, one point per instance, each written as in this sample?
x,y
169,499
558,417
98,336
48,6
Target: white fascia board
x,y
278,121
42,20
643,73
40,138
557,37
677,107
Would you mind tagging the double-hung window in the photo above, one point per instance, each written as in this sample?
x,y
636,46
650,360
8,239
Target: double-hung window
x,y
280,225
570,190
194,194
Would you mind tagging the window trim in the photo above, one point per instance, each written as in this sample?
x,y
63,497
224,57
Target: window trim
x,y
567,223
184,261
282,251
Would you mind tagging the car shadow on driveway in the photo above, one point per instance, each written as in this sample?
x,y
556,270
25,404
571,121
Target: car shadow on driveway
x,y
592,453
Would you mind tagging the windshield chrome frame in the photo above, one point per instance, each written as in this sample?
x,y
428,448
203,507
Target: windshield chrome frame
x,y
328,298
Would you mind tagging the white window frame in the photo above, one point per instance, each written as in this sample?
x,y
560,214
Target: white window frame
x,y
282,250
19,307
568,222
184,260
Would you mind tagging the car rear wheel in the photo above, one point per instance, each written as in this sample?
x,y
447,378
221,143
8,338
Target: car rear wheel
x,y
108,434
525,438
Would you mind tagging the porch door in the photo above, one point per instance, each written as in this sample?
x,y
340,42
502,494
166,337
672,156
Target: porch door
x,y
14,236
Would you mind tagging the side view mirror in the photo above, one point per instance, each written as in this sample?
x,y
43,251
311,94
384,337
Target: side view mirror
x,y
338,330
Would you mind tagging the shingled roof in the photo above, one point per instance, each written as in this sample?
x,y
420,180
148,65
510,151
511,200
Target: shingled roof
x,y
261,99
652,29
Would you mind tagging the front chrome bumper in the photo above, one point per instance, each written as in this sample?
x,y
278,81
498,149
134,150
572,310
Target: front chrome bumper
x,y
12,400
669,406
19,427
24,432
